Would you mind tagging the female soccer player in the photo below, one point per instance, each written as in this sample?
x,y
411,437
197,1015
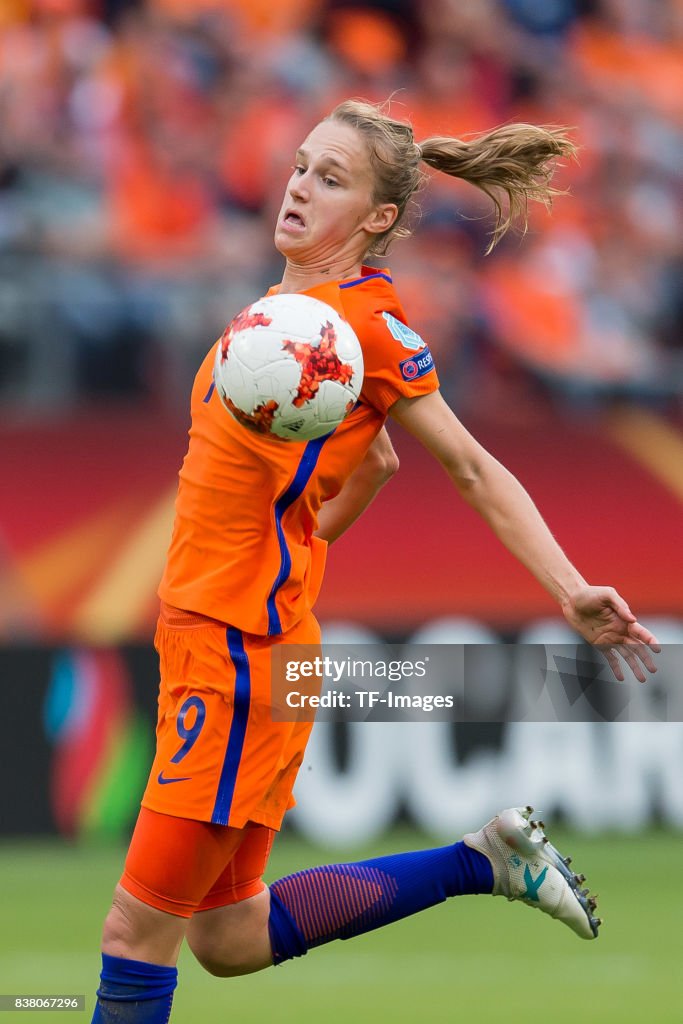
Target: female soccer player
x,y
252,520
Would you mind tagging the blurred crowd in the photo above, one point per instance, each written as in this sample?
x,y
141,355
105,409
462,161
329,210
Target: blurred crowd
x,y
144,147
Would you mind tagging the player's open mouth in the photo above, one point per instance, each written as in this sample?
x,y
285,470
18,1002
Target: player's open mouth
x,y
293,220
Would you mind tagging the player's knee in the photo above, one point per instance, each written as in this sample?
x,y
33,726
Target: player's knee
x,y
119,933
381,461
391,465
218,968
382,464
136,931
229,955
234,939
222,962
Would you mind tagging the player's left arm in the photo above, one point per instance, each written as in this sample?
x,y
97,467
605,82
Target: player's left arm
x,y
599,614
378,466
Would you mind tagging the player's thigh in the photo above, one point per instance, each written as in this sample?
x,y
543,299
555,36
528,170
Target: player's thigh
x,y
229,932
173,862
233,940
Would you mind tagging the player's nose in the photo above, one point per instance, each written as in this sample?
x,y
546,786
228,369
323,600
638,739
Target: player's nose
x,y
298,188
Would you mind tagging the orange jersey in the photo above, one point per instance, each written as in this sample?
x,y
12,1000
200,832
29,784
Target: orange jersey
x,y
243,549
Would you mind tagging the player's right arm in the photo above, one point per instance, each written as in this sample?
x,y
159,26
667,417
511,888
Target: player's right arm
x,y
599,614
376,469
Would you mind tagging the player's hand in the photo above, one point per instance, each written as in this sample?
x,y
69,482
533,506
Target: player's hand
x,y
603,618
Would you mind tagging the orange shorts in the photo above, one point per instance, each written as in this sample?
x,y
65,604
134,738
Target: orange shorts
x,y
220,758
182,866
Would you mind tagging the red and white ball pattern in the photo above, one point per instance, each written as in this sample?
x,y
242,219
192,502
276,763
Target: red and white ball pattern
x,y
289,366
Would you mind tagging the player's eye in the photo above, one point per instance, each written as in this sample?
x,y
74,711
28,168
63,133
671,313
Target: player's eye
x,y
330,182
298,169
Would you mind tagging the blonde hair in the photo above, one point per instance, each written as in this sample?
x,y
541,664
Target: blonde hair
x,y
512,164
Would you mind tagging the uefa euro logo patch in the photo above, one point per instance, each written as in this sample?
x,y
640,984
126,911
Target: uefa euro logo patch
x,y
406,335
418,365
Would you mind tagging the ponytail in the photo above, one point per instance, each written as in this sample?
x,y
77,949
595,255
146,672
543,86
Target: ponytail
x,y
513,164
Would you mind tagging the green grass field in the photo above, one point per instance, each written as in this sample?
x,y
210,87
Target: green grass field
x,y
498,961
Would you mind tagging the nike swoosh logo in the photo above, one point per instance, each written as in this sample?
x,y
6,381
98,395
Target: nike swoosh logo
x,y
167,782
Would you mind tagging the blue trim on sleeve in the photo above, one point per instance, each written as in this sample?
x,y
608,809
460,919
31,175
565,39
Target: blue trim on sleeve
x,y
207,396
303,474
362,280
238,728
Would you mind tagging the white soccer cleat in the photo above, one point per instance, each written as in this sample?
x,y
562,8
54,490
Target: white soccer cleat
x,y
527,867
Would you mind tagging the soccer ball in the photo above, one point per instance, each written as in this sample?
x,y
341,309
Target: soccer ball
x,y
289,366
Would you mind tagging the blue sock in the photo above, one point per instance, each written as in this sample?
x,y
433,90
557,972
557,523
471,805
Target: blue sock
x,y
343,900
133,992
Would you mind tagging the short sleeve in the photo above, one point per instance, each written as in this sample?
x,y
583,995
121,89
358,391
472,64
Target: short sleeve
x,y
398,363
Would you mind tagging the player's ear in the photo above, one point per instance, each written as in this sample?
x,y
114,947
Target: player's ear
x,y
381,218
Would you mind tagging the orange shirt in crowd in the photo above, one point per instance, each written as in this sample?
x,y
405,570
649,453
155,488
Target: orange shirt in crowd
x,y
243,549
260,17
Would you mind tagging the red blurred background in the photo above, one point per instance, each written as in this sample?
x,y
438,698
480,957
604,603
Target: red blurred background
x,y
143,152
